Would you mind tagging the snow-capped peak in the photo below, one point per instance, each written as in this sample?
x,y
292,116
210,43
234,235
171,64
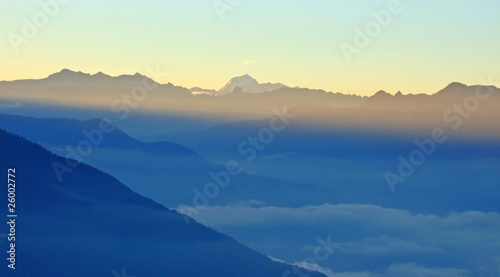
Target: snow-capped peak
x,y
248,84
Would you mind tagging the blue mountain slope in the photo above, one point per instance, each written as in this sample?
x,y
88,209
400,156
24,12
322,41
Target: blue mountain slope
x,y
71,132
165,172
91,225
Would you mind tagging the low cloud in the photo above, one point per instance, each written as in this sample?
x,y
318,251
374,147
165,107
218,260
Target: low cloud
x,y
414,270
367,240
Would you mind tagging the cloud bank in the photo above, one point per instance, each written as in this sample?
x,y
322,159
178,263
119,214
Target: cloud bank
x,y
368,240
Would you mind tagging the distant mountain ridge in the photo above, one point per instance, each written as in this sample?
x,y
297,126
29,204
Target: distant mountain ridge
x,y
124,93
247,83
68,81
69,76
100,93
454,92
71,132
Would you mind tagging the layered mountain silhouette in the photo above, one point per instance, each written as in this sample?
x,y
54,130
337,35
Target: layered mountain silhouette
x,y
91,225
142,94
349,149
327,129
456,175
62,131
168,173
168,143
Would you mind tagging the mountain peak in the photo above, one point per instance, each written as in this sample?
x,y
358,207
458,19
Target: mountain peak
x,y
245,77
455,88
456,84
68,73
100,75
248,84
381,93
380,96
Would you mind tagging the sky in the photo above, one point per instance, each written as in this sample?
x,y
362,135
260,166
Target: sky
x,y
421,48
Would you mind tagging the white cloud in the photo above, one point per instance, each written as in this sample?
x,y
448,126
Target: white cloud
x,y
356,274
414,270
329,273
314,267
248,62
367,237
277,260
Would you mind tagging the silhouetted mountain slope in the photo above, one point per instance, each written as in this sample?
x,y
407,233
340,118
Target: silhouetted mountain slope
x,y
71,132
91,224
67,80
165,172
68,84
453,93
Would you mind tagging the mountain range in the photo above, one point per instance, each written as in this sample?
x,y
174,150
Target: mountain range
x,y
102,84
163,173
311,177
90,224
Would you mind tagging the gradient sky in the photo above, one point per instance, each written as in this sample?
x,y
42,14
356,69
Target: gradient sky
x,y
425,47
